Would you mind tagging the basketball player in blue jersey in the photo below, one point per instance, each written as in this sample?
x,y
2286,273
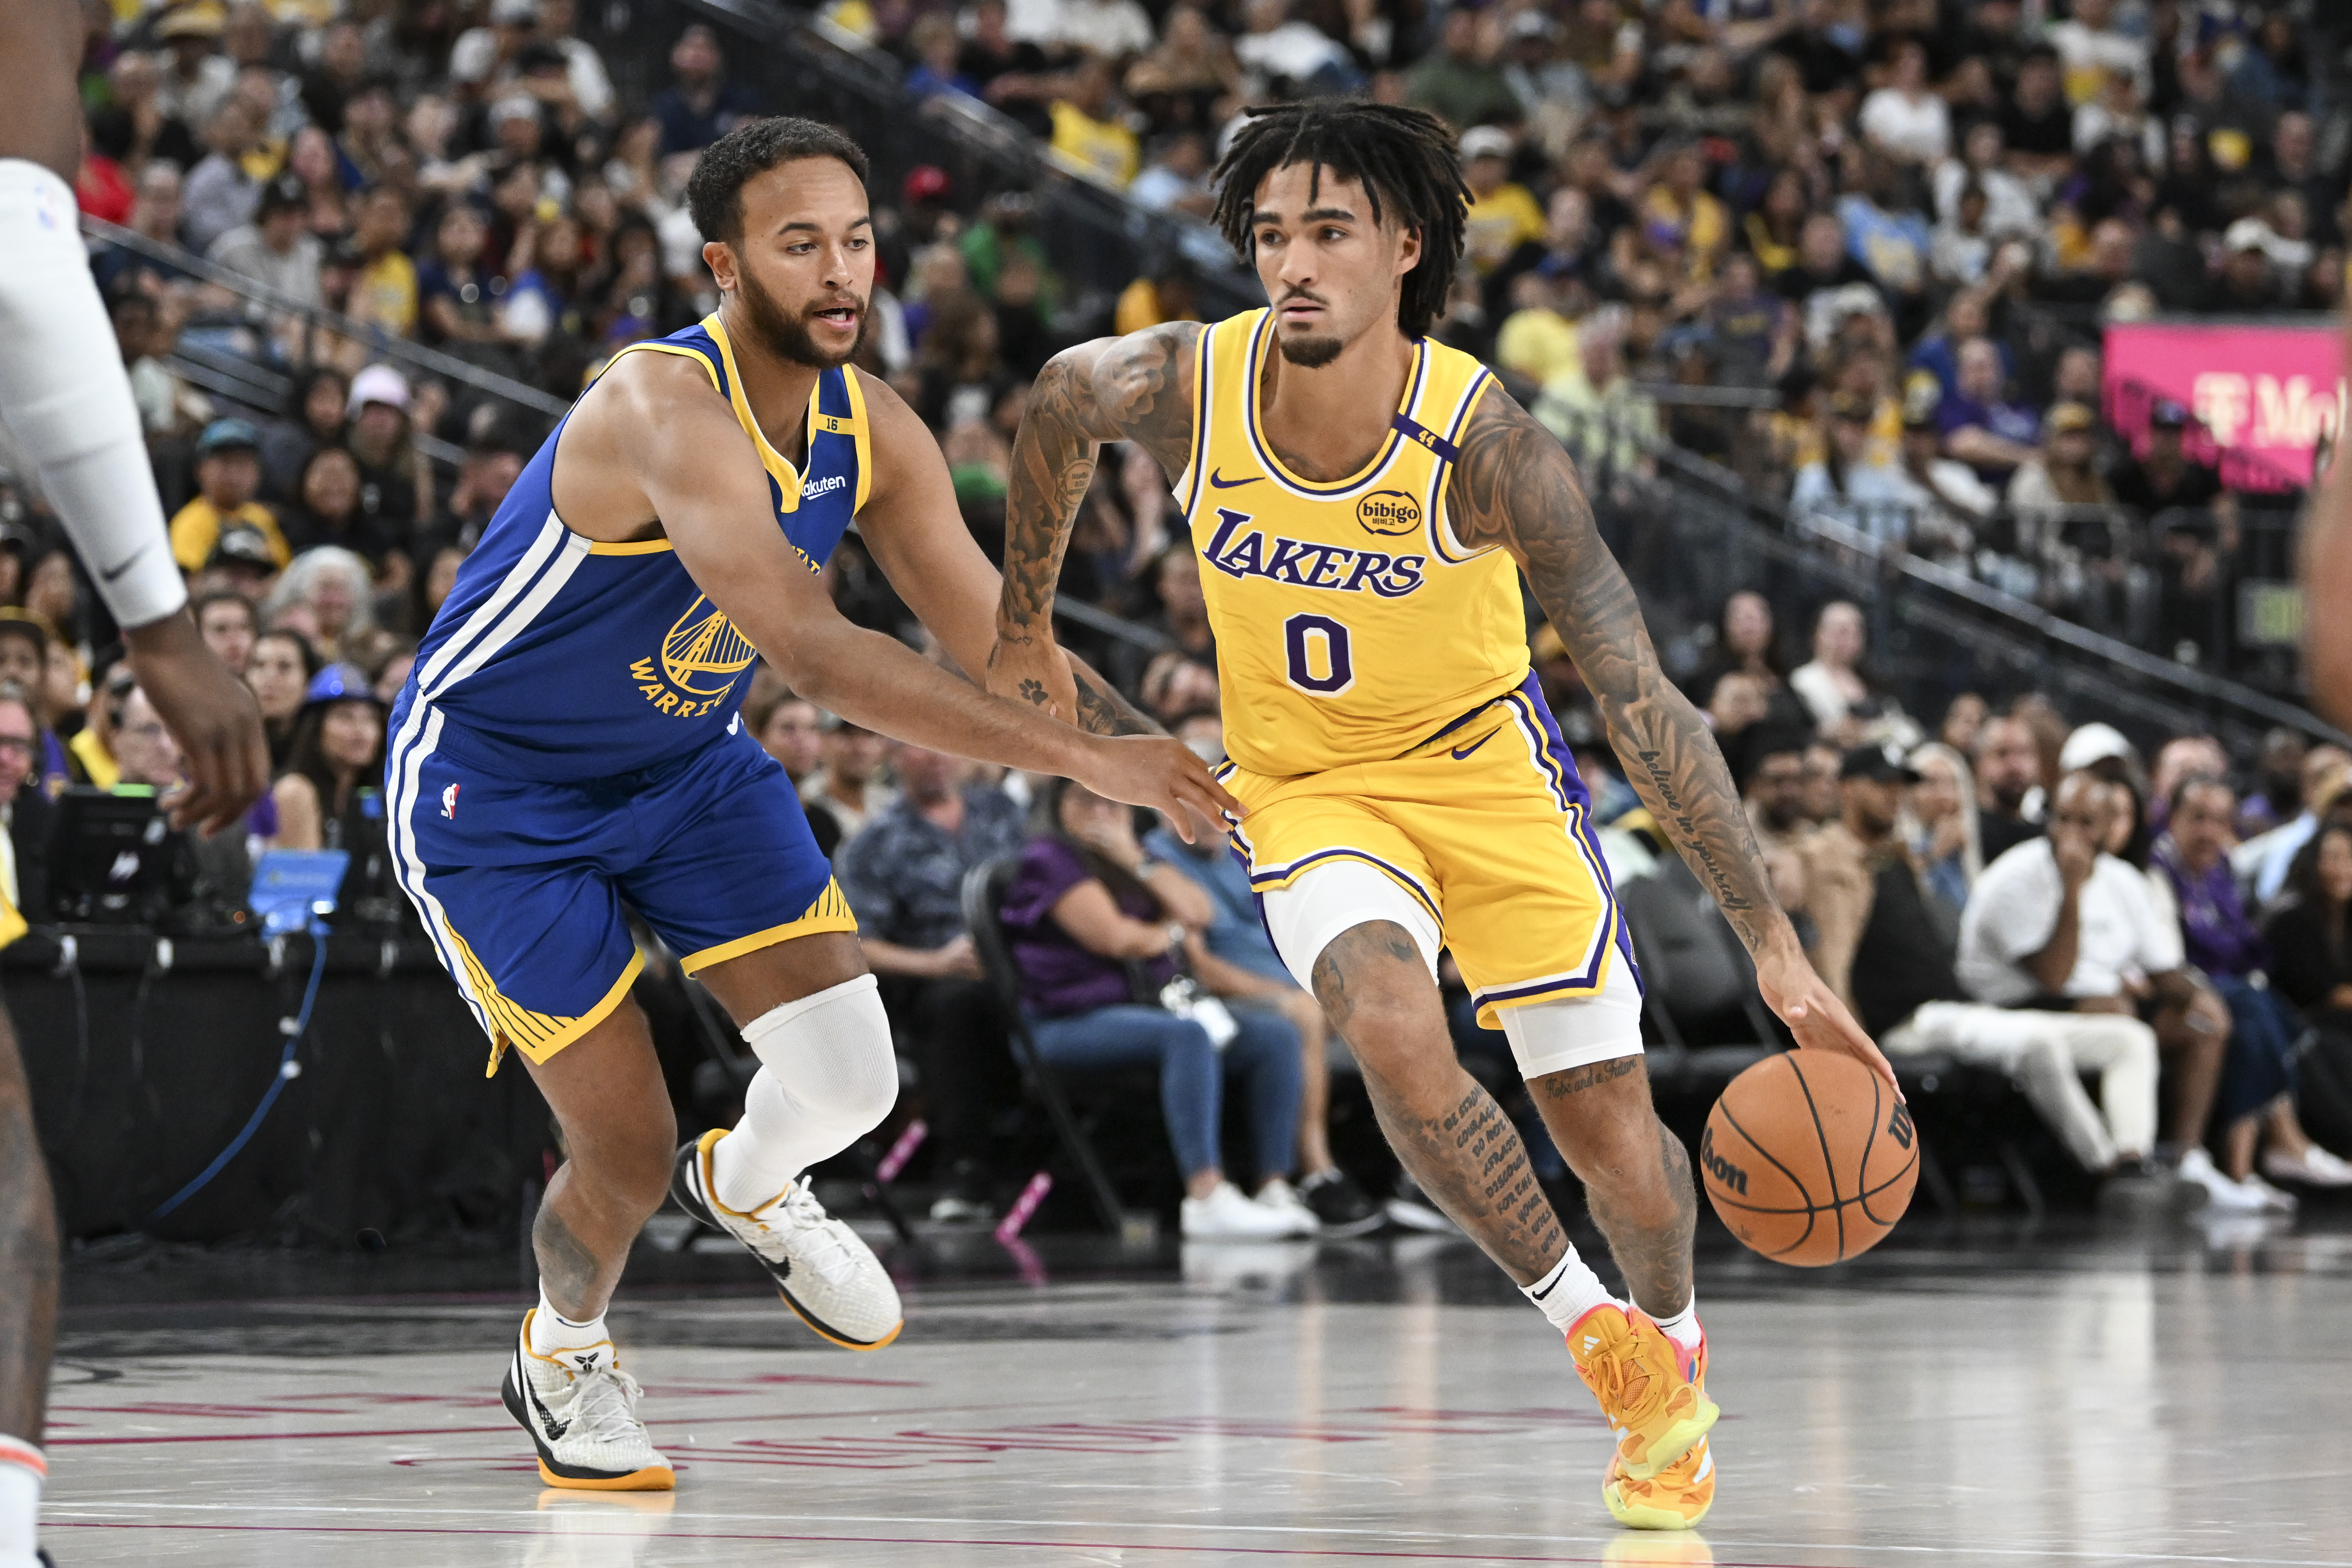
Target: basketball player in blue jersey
x,y
1364,501
66,405
568,748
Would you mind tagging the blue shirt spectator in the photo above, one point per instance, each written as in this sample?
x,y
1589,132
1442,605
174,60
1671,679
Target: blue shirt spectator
x,y
1236,933
704,105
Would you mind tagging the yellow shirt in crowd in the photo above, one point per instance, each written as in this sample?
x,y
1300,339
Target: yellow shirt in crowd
x,y
1139,307
1498,223
196,528
383,294
1098,147
1539,343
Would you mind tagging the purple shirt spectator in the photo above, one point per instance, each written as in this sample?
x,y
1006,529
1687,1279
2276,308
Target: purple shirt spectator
x,y
1058,977
2215,932
2010,421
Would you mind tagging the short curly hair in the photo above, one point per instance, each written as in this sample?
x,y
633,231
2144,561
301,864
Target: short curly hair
x,y
714,194
1405,158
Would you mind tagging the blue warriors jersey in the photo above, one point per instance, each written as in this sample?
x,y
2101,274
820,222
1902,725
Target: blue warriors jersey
x,y
558,658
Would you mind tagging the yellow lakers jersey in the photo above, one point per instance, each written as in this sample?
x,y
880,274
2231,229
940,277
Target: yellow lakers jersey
x,y
1350,624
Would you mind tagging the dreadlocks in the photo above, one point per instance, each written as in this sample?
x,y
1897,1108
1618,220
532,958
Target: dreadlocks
x,y
1405,157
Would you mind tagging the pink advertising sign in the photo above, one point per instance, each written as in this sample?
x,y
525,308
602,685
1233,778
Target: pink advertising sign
x,y
2261,395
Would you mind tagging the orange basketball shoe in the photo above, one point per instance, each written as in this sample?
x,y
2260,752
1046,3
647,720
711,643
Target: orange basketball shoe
x,y
1654,1395
1676,1498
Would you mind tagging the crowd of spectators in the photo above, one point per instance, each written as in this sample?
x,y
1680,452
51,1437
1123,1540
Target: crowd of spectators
x,y
1897,224
1900,225
2037,897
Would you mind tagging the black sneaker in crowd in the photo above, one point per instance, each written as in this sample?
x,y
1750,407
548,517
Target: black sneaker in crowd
x,y
1412,1210
1339,1204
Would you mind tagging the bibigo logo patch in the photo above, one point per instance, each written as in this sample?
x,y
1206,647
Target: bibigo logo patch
x,y
1389,513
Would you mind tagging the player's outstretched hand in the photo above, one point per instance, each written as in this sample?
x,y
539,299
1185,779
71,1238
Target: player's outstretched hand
x,y
210,713
1157,771
1037,675
1815,1016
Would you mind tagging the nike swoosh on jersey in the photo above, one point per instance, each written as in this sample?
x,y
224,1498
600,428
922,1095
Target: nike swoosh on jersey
x,y
1463,751
1219,481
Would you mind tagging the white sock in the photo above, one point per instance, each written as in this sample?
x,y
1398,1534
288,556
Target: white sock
x,y
1569,1291
828,1077
22,1469
554,1335
1683,1326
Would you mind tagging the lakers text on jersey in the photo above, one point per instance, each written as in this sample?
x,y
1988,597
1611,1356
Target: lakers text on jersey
x,y
570,744
1374,675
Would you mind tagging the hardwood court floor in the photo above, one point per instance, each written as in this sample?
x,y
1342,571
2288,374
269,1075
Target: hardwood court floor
x,y
2174,1396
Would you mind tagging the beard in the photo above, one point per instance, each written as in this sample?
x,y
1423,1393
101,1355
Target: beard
x,y
786,335
1308,353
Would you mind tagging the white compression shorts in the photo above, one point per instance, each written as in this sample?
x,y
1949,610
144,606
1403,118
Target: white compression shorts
x,y
1545,1037
66,402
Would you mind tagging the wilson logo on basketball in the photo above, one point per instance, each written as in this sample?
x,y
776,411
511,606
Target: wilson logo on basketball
x,y
1721,1168
1898,1126
1389,513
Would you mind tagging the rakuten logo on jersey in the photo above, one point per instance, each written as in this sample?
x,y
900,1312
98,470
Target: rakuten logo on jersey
x,y
1239,550
824,486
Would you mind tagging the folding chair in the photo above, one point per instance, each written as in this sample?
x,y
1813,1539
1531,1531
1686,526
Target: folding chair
x,y
983,900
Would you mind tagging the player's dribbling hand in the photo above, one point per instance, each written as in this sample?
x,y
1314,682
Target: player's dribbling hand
x,y
1157,771
1035,675
210,713
1804,1002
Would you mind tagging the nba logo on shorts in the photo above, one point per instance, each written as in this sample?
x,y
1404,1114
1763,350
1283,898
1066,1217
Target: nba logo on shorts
x,y
449,803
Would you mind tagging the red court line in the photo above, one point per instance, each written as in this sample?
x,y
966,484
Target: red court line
x,y
893,1541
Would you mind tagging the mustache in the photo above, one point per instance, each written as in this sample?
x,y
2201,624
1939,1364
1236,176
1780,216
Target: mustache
x,y
846,302
1302,294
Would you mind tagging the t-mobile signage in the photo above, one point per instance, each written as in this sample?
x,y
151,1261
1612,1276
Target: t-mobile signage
x,y
2259,396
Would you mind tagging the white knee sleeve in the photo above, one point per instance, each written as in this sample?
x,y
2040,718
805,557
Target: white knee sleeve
x,y
827,1077
1338,896
1577,1031
67,403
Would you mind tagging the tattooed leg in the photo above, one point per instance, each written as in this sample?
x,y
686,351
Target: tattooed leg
x,y
1452,1136
609,1099
1636,1174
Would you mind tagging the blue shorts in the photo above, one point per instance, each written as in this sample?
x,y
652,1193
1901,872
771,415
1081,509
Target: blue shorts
x,y
522,884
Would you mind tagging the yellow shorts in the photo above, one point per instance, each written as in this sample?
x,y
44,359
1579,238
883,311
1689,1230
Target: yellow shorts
x,y
1486,826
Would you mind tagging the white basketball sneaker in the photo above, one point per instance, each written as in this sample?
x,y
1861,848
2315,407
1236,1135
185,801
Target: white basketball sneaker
x,y
823,1270
580,1410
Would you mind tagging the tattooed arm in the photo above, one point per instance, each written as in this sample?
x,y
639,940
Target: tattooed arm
x,y
1514,486
1135,388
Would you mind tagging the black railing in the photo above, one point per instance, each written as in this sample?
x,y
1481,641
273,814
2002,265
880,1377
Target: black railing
x,y
379,343
1690,533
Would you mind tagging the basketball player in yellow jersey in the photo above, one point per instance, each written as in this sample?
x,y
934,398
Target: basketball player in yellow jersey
x,y
1363,500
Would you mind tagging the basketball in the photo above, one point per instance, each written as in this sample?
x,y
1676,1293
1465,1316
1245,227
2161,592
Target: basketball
x,y
1810,1158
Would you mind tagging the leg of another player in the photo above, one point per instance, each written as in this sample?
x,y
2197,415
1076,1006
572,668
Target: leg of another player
x,y
1453,1139
607,1093
1636,1175
809,1009
28,1305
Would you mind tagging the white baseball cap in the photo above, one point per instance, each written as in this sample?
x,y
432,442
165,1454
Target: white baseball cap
x,y
2093,743
379,383
1485,142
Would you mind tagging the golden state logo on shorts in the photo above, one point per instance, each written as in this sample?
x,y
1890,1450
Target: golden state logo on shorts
x,y
1389,513
700,657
